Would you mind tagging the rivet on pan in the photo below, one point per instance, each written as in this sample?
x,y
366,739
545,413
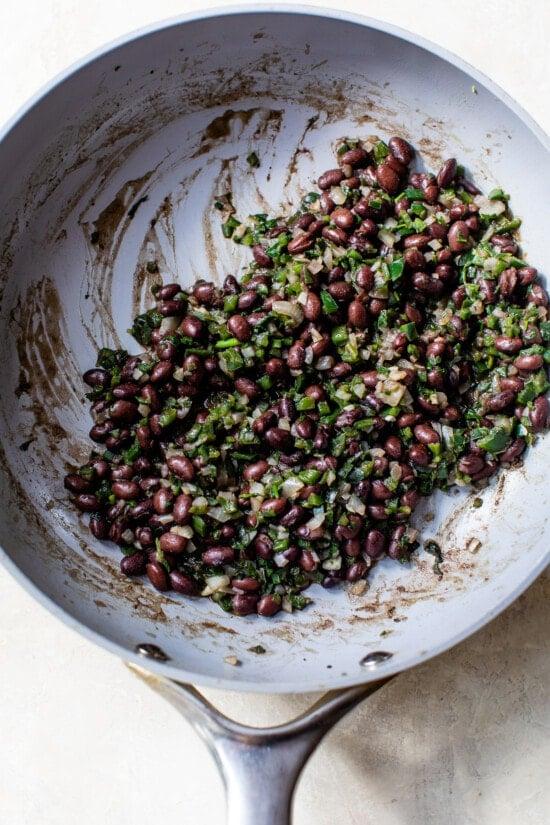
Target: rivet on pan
x,y
375,658
152,652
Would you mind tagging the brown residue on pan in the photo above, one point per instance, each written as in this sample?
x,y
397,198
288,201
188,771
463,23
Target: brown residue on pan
x,y
217,628
104,235
47,368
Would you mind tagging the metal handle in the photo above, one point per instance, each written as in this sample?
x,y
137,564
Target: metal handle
x,y
259,766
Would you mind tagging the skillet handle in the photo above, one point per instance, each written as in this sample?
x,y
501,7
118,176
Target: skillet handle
x,y
259,766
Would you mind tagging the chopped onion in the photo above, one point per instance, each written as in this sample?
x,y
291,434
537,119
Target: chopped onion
x,y
219,514
291,487
318,519
338,195
355,505
328,257
387,237
314,267
291,310
325,362
280,560
185,531
169,324
332,564
390,392
488,206
215,583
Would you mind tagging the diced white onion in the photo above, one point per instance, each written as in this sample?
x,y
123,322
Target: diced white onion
x,y
387,238
332,564
355,505
280,560
293,311
488,206
215,583
315,266
325,362
318,519
169,324
291,487
338,195
186,531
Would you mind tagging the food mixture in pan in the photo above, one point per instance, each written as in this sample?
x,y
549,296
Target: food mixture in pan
x,y
387,338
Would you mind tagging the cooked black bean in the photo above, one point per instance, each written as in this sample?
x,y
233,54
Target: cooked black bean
x,y
181,466
446,173
458,235
172,543
217,555
387,178
539,414
401,149
158,576
529,363
97,378
134,564
330,178
99,526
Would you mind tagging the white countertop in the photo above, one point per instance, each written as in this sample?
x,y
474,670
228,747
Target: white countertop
x,y
462,739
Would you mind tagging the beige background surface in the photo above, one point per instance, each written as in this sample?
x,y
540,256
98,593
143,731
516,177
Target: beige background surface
x,y
463,739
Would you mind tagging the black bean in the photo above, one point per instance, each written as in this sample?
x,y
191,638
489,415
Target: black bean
x,y
513,451
172,543
497,403
471,464
254,472
459,234
538,414
268,605
181,510
332,177
181,466
276,437
134,565
97,378
162,501
528,363
219,554
99,526
375,543
446,173
158,576
401,149
387,178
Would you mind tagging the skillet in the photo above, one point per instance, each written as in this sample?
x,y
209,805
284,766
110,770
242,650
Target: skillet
x,y
131,146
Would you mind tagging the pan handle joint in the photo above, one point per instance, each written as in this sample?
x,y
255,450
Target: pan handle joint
x,y
259,766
